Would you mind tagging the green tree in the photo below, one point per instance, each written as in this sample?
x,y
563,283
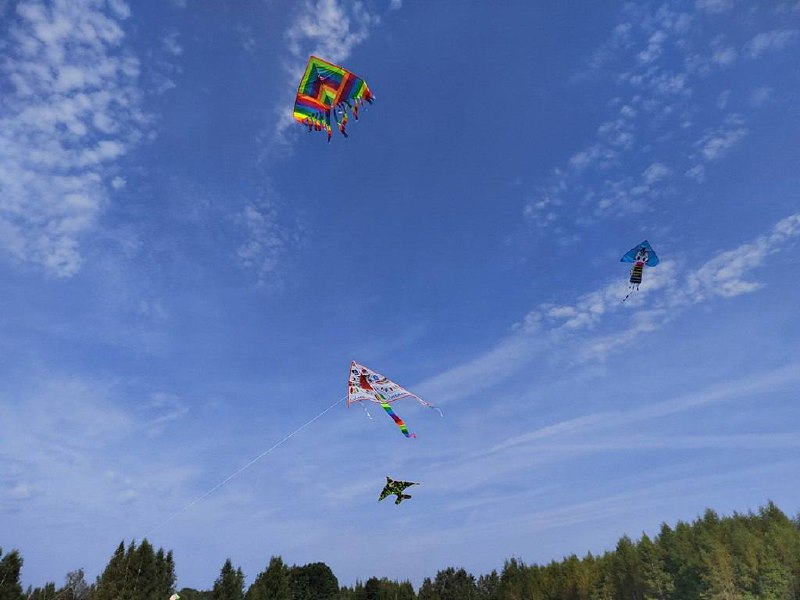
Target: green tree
x,y
272,583
10,567
455,584
628,575
488,586
112,584
230,583
193,594
427,590
656,581
314,581
75,587
48,592
515,581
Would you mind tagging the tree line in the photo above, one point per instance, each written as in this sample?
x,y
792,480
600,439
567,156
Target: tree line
x,y
752,556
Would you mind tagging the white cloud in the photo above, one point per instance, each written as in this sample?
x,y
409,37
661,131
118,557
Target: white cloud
x,y
777,39
327,28
71,110
723,99
395,4
724,274
171,44
714,6
717,143
596,422
162,409
721,53
574,331
656,172
697,173
266,238
760,96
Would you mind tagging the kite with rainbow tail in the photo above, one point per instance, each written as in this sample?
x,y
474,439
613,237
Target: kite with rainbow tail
x,y
366,385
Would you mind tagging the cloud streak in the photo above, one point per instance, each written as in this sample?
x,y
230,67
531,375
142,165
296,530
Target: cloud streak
x,y
575,332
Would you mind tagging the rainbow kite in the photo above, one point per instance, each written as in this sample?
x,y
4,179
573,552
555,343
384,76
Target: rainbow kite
x,y
329,90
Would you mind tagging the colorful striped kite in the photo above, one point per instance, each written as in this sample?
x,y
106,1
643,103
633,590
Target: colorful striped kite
x,y
365,385
329,90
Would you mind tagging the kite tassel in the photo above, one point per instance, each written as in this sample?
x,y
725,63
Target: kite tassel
x,y
364,406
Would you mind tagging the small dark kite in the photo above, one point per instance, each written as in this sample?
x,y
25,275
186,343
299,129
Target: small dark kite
x,y
397,488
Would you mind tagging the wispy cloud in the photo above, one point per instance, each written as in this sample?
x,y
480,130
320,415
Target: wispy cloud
x,y
71,110
724,274
574,333
715,6
599,422
162,409
658,55
777,39
715,144
267,237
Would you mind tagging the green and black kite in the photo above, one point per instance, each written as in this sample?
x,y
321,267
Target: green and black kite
x,y
396,488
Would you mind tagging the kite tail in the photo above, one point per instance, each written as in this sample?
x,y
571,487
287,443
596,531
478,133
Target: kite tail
x,y
398,421
631,288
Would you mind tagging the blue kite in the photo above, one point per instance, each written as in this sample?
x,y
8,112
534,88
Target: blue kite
x,y
640,255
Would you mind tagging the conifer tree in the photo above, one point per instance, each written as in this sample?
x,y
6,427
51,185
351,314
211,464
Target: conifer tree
x,y
488,586
10,567
48,592
230,583
111,582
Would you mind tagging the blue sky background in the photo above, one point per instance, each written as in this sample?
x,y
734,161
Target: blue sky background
x,y
186,275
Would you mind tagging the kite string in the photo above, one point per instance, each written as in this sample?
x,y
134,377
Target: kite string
x,y
243,468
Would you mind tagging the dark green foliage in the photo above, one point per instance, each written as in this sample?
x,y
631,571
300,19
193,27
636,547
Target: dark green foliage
x,y
193,594
135,573
488,586
742,557
272,583
379,589
314,581
753,556
48,592
230,583
10,567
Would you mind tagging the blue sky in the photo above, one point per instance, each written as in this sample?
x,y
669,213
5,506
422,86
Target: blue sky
x,y
186,275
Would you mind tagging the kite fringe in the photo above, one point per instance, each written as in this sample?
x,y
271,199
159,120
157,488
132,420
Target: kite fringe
x,y
321,121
